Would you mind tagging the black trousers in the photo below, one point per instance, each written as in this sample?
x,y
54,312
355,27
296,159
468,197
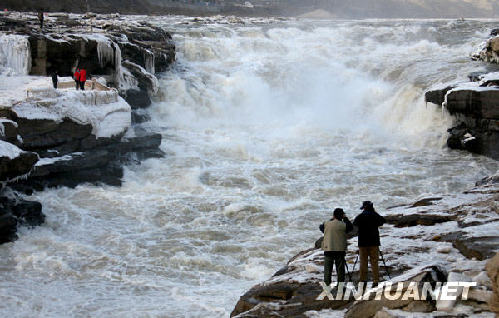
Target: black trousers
x,y
336,258
55,84
77,85
82,86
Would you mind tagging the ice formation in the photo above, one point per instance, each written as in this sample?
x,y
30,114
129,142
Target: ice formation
x,y
106,111
15,54
108,51
149,58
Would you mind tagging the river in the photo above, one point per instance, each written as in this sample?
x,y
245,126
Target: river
x,y
268,125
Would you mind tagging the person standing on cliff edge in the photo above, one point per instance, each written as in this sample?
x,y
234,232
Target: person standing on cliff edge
x,y
77,78
83,78
41,18
54,78
334,244
368,222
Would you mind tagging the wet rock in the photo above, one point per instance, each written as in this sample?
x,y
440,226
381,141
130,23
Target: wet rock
x,y
28,212
492,268
11,168
38,134
8,131
140,116
417,219
8,226
474,103
437,96
15,211
137,98
476,76
479,248
425,202
490,180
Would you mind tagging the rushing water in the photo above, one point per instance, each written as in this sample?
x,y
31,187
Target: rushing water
x,y
267,127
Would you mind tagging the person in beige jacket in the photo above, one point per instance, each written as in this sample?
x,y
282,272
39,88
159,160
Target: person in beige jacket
x,y
334,244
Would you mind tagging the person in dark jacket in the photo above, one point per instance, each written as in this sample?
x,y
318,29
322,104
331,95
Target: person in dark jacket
x,y
334,244
54,79
368,222
40,18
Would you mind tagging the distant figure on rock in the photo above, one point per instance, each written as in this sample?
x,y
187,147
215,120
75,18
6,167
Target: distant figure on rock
x,y
40,18
83,78
54,79
368,222
77,78
334,244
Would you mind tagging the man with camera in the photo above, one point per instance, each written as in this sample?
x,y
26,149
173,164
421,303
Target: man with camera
x,y
334,244
368,222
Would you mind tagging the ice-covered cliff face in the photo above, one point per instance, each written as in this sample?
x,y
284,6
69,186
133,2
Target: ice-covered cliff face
x,y
268,126
15,55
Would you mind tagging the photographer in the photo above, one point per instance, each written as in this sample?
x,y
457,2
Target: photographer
x,y
368,222
334,244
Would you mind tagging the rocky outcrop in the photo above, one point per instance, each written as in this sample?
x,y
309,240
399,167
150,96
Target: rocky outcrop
x,y
64,137
475,108
420,244
14,162
489,50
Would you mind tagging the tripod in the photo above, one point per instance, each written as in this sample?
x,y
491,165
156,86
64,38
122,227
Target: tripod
x,y
382,259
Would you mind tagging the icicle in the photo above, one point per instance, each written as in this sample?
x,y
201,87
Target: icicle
x,y
15,53
117,65
149,58
105,52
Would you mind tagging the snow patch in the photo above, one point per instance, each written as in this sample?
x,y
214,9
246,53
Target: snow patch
x,y
9,150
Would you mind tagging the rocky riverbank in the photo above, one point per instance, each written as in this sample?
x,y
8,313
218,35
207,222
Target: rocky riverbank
x,y
63,137
474,105
433,239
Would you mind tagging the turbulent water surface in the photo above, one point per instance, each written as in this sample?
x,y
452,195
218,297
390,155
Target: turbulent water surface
x,y
267,126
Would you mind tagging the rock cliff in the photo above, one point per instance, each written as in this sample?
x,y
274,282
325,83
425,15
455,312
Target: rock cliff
x,y
63,137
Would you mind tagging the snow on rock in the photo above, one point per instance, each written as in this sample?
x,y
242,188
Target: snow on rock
x,y
106,111
15,54
9,150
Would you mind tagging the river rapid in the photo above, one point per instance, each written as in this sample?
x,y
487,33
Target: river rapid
x,y
268,125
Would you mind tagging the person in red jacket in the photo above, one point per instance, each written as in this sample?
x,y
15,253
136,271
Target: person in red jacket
x,y
83,78
77,78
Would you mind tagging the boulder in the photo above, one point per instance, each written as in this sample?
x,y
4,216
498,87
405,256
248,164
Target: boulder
x,y
480,248
406,220
16,211
137,98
